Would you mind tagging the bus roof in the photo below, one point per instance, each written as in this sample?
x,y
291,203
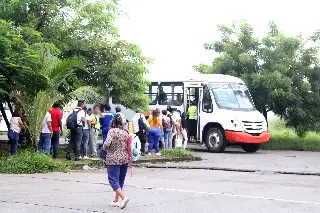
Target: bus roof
x,y
198,77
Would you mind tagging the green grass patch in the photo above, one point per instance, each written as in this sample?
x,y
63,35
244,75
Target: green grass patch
x,y
283,138
179,152
29,162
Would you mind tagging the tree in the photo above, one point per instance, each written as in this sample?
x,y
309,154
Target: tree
x,y
87,29
55,71
18,62
280,71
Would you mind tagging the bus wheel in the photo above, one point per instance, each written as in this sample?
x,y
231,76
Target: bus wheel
x,y
250,147
215,141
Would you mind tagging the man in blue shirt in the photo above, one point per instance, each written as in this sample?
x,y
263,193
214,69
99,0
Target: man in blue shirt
x,y
106,122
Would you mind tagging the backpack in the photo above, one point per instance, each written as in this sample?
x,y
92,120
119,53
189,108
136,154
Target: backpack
x,y
72,120
165,124
142,124
134,145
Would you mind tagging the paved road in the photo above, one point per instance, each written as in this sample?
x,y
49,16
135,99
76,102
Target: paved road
x,y
162,190
268,161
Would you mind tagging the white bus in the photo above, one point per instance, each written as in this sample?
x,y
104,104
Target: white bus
x,y
226,112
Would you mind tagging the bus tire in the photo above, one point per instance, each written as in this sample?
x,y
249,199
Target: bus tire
x,y
250,147
215,140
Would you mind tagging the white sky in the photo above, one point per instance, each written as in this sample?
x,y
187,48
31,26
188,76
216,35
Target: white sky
x,y
173,32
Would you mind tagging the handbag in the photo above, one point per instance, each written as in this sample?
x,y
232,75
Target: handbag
x,y
178,141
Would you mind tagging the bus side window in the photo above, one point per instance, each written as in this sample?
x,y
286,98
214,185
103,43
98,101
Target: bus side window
x,y
152,92
207,101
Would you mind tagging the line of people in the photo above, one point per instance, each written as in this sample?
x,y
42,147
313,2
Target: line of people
x,y
163,130
84,137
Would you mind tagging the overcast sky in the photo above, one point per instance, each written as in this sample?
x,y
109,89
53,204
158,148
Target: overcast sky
x,y
173,32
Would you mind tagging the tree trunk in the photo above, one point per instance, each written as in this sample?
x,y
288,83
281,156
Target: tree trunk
x,y
265,114
4,115
9,103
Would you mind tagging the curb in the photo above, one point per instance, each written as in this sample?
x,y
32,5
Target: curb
x,y
98,163
164,160
154,166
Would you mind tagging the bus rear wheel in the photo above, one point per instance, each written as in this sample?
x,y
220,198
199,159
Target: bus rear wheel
x,y
215,141
250,147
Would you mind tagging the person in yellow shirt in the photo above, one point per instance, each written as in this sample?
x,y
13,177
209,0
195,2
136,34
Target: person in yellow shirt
x,y
95,128
154,133
192,117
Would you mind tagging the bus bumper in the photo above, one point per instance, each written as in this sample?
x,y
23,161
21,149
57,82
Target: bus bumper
x,y
243,137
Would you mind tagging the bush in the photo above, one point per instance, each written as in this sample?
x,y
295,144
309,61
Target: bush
x,y
177,153
30,162
283,138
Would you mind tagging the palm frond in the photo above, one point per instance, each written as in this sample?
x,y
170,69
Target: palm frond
x,y
63,69
36,110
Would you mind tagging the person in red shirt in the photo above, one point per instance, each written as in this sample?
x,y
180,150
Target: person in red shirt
x,y
56,116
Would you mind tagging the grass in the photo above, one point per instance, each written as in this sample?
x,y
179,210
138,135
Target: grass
x,y
283,138
29,162
176,153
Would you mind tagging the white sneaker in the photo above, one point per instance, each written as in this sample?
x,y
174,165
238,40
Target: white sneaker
x,y
114,204
149,153
124,202
158,153
85,158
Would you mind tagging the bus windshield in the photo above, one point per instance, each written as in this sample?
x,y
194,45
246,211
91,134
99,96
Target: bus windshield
x,y
232,96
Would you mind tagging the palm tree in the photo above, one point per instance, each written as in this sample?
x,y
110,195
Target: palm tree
x,y
56,72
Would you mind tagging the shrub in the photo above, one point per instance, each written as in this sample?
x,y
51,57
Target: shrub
x,y
283,138
179,152
29,162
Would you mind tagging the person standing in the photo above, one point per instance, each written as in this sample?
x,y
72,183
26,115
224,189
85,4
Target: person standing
x,y
116,147
15,128
170,133
44,145
56,124
106,122
154,133
95,128
77,133
192,118
184,130
140,126
118,111
86,134
167,127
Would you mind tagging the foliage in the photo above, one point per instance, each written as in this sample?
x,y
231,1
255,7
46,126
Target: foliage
x,y
55,71
18,59
178,152
281,72
86,29
283,138
31,162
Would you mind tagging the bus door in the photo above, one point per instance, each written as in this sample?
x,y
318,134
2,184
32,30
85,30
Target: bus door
x,y
191,94
205,109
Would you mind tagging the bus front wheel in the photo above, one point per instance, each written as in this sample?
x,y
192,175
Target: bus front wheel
x,y
215,141
250,147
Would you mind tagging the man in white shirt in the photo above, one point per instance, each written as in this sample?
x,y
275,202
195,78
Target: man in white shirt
x,y
45,135
140,130
77,133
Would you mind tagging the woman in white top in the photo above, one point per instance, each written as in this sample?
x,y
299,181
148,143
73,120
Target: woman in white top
x,y
15,129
